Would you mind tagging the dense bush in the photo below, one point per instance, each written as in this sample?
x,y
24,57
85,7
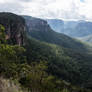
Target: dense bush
x,y
41,67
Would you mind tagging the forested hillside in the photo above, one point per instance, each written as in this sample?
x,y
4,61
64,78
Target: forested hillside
x,y
40,65
40,30
75,51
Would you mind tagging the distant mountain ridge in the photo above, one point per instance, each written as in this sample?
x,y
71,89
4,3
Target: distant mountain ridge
x,y
86,38
56,24
71,28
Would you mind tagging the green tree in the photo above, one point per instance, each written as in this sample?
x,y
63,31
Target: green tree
x,y
2,34
37,79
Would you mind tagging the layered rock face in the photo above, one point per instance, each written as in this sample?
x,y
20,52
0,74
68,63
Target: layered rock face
x,y
36,24
14,27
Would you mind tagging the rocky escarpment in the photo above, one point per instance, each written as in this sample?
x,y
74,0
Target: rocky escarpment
x,y
36,24
14,27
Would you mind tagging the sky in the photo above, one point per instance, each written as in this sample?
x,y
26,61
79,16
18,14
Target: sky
x,y
61,9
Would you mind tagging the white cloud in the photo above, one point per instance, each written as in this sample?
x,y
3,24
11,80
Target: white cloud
x,y
66,9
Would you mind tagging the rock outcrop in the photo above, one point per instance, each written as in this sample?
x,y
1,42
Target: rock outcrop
x,y
9,86
36,24
14,27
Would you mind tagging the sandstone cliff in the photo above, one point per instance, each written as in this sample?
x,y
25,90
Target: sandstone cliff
x,y
14,27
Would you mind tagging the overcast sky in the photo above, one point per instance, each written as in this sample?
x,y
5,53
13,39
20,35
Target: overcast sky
x,y
64,9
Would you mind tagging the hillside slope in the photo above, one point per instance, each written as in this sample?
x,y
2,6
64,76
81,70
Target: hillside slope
x,y
39,29
66,56
64,62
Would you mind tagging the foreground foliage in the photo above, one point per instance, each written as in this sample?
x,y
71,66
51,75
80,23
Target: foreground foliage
x,y
34,74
